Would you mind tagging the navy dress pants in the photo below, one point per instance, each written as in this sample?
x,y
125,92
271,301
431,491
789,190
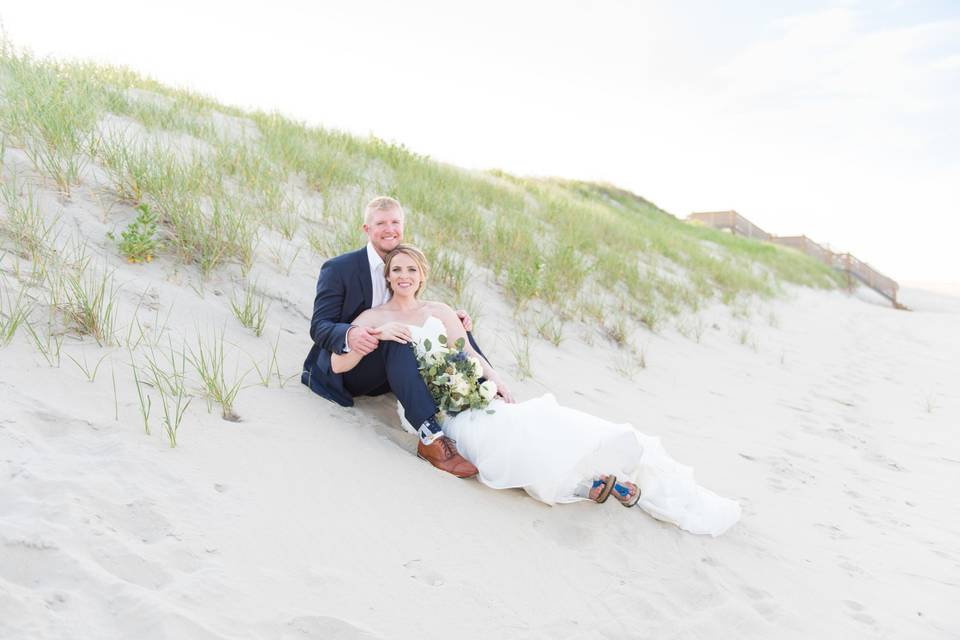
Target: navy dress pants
x,y
393,367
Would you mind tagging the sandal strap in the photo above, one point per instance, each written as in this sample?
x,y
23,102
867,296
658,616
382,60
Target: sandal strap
x,y
623,494
607,488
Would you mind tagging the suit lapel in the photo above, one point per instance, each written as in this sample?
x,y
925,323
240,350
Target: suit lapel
x,y
366,281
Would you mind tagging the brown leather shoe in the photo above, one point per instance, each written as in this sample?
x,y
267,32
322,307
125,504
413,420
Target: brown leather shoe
x,y
442,454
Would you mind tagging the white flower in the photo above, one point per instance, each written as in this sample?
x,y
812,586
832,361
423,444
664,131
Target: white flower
x,y
459,384
477,366
488,389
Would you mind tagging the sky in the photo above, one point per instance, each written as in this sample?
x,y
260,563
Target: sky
x,y
838,120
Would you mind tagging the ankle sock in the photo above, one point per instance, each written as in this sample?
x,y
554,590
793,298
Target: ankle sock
x,y
429,431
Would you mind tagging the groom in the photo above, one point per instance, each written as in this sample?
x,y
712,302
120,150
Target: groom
x,y
348,285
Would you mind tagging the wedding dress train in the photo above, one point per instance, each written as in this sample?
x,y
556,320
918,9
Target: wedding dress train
x,y
548,450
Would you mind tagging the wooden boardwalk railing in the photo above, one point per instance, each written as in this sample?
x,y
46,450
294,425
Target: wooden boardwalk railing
x,y
844,262
731,220
809,247
869,276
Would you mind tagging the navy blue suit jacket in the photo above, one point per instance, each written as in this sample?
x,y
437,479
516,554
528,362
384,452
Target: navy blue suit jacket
x,y
344,291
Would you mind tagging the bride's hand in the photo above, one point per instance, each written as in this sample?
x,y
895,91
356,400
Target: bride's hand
x,y
504,393
465,320
396,331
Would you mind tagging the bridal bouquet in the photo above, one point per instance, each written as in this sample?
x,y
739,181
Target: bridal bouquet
x,y
453,378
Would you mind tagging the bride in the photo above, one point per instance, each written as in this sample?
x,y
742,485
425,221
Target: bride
x,y
554,453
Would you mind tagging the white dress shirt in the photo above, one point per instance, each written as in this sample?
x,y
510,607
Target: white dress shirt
x,y
380,293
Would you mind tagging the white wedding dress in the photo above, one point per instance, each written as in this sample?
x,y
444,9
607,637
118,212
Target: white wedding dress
x,y
548,450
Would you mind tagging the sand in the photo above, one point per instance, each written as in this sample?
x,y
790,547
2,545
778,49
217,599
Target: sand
x,y
831,417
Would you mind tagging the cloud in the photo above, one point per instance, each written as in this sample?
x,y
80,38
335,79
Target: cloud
x,y
830,56
836,123
842,130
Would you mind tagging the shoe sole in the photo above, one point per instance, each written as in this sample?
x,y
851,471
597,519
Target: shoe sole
x,y
633,502
456,475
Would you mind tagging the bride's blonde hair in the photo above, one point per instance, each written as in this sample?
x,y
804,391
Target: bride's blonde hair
x,y
414,254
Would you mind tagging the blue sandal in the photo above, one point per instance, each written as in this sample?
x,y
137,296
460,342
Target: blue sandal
x,y
623,493
607,483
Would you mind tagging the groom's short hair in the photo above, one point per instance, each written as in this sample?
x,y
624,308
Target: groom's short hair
x,y
381,203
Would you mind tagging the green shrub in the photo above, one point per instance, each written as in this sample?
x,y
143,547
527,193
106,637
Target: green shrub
x,y
138,242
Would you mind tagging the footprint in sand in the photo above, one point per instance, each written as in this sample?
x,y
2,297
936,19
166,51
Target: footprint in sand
x,y
850,567
884,461
419,571
30,563
835,532
141,520
57,600
856,612
325,628
865,516
763,601
775,483
566,534
131,568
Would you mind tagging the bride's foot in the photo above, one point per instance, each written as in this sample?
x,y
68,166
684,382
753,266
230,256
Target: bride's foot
x,y
627,493
601,488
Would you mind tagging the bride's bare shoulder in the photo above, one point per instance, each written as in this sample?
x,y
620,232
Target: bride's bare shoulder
x,y
369,318
438,308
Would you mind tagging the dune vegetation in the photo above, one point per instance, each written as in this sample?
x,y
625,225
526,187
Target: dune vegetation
x,y
188,182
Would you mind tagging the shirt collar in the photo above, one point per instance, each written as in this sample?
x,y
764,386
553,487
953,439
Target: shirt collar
x,y
373,257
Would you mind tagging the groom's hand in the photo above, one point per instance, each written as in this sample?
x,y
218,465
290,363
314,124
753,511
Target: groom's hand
x,y
465,320
363,340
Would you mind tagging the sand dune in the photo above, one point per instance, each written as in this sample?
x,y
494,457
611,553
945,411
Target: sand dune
x,y
834,428
832,419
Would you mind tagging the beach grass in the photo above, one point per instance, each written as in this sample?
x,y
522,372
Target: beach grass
x,y
216,177
209,362
24,223
90,303
50,114
48,345
143,398
169,381
89,369
250,307
519,346
551,330
266,374
14,312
